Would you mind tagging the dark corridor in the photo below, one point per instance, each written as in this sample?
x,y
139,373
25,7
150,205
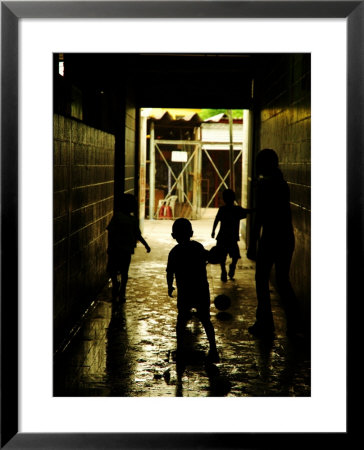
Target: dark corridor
x,y
96,160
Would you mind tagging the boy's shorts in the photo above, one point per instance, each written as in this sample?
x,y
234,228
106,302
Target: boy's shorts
x,y
231,249
118,262
202,308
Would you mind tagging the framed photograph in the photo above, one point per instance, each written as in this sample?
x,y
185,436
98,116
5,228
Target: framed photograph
x,y
322,44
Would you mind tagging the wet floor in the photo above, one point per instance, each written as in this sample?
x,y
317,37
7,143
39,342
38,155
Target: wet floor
x,y
128,349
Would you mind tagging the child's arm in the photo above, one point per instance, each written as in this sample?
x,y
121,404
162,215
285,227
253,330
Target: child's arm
x,y
139,236
216,221
170,283
170,274
144,242
245,211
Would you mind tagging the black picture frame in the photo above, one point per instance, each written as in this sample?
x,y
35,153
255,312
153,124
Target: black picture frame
x,y
11,12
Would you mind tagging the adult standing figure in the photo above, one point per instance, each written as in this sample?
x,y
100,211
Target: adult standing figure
x,y
272,244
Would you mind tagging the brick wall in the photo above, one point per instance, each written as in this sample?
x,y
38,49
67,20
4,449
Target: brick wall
x,y
283,119
83,206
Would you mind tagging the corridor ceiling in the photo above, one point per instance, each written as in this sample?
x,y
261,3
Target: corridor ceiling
x,y
172,80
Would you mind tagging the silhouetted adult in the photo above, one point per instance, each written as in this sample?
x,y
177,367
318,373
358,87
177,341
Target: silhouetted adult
x,y
272,244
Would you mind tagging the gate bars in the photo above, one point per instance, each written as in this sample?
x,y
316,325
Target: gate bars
x,y
196,176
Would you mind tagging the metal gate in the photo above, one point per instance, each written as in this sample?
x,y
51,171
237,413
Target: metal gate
x,y
194,157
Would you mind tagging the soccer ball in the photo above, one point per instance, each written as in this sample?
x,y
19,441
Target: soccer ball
x,y
222,302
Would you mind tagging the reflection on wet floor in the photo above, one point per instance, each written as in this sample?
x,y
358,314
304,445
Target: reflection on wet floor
x,y
128,349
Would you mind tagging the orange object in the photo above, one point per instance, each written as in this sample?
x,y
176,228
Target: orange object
x,y
168,212
161,212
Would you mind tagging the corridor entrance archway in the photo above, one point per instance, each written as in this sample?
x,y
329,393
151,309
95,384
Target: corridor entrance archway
x,y
192,170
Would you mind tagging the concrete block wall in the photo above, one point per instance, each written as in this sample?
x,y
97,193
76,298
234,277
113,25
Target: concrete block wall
x,y
83,205
283,121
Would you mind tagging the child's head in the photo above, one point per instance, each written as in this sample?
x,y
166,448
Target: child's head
x,y
182,230
228,196
267,162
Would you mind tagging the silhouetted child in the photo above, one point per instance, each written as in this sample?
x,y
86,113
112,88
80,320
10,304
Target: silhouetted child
x,y
123,234
229,217
187,262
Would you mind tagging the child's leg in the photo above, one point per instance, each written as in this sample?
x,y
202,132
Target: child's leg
x,y
232,267
204,316
210,332
213,355
124,275
113,273
223,255
223,272
182,320
115,284
235,255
